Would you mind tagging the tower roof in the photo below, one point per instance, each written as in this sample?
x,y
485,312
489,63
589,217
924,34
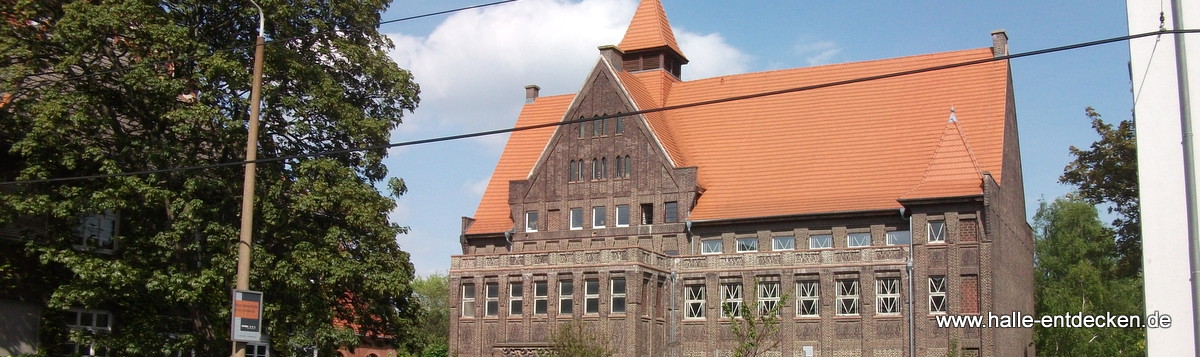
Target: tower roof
x,y
649,30
953,170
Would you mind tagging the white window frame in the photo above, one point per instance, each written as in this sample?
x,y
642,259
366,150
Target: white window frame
x,y
855,240
938,235
468,300
591,296
85,347
693,302
747,243
847,291
732,296
531,218
887,296
893,238
566,298
776,246
707,246
768,297
516,298
809,292
825,237
622,211
541,298
937,295
615,295
574,214
599,216
491,302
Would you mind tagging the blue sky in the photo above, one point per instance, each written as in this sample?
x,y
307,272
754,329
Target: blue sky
x,y
473,65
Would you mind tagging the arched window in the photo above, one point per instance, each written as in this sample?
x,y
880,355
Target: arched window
x,y
620,167
574,176
581,128
597,126
595,169
620,123
627,166
603,168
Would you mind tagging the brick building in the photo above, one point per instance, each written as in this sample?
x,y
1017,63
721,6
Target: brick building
x,y
644,225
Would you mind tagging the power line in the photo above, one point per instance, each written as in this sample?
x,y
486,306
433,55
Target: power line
x,y
236,48
644,111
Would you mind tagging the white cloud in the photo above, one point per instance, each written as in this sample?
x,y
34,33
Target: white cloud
x,y
474,66
476,187
710,56
817,53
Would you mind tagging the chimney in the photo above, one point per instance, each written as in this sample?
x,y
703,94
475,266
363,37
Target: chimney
x,y
531,93
613,54
999,43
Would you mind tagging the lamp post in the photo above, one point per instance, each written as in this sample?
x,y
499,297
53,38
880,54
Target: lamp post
x,y
243,265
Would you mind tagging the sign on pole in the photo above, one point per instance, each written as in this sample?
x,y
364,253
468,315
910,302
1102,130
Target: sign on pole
x,y
247,316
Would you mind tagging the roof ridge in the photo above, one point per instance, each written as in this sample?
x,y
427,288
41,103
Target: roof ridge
x,y
840,64
966,144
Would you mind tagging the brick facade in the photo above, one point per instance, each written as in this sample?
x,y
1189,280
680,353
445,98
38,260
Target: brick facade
x,y
653,283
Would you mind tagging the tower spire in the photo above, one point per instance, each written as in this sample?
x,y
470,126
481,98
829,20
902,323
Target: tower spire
x,y
649,29
649,42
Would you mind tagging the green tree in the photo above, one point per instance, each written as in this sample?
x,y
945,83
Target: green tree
x,y
1076,272
576,339
99,87
433,326
1107,174
756,330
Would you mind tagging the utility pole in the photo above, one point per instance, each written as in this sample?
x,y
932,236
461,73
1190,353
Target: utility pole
x,y
243,264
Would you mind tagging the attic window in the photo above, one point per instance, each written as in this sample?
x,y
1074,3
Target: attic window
x,y
671,212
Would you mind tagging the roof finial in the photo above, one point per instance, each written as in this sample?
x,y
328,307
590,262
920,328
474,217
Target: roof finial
x,y
953,119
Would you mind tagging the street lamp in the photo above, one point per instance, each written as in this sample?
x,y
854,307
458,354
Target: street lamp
x,y
243,265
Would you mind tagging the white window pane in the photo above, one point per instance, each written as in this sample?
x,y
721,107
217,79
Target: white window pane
x,y
937,231
899,238
598,217
711,246
858,240
747,244
820,241
783,243
622,215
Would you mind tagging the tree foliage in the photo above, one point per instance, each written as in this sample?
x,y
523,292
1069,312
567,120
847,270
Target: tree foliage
x,y
1107,174
576,339
1076,271
433,326
756,330
100,87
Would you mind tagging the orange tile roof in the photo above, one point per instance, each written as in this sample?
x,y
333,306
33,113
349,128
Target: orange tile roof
x,y
853,147
520,154
649,29
953,171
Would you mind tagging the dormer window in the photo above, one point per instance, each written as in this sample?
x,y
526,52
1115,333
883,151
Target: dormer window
x,y
531,219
